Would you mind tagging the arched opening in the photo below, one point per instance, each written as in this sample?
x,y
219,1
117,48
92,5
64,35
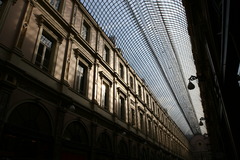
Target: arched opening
x,y
27,133
76,142
123,150
104,147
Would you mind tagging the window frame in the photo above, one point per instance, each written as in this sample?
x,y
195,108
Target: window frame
x,y
85,33
140,91
45,49
131,82
122,107
105,80
81,58
106,54
106,102
141,120
55,39
121,70
54,5
85,75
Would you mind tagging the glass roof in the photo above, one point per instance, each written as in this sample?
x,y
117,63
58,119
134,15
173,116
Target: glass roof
x,y
153,37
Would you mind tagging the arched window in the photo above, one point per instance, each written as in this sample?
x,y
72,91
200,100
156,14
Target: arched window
x,y
76,133
123,148
32,117
104,142
27,133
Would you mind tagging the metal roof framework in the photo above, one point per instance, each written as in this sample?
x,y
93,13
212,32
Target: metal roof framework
x,y
153,37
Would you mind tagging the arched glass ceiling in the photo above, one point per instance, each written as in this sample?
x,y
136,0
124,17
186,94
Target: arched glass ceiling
x,y
153,36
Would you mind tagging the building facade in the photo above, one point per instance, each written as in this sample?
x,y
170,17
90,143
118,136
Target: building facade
x,y
66,92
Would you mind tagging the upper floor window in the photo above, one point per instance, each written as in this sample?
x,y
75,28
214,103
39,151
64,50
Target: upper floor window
x,y
141,121
149,126
133,116
131,82
45,52
121,108
238,75
55,3
81,78
1,3
105,95
85,31
155,134
153,107
147,99
106,54
121,70
140,91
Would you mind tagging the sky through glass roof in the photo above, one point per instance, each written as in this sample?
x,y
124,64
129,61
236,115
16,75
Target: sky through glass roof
x,y
154,39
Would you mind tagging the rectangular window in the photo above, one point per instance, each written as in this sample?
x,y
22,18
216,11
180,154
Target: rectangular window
x,y
105,95
121,108
106,55
131,82
2,3
121,70
141,121
139,91
133,116
238,75
81,77
156,132
55,3
149,127
44,53
153,107
147,99
85,31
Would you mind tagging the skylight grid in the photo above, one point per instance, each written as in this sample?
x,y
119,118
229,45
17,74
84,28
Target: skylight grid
x,y
153,36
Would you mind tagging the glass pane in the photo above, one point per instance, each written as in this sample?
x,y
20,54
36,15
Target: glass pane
x,y
80,79
39,55
154,39
55,3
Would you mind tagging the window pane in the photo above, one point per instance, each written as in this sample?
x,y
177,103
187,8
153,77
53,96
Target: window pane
x,y
105,95
47,56
131,82
45,41
106,54
141,121
121,71
44,53
85,31
55,3
121,108
39,55
133,116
